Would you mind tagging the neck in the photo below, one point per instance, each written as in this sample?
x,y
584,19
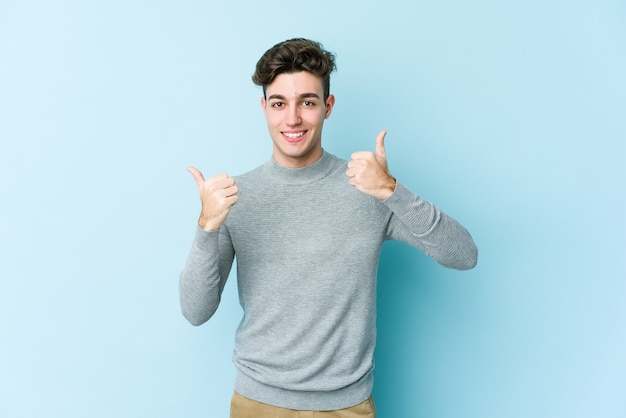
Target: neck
x,y
302,175
298,162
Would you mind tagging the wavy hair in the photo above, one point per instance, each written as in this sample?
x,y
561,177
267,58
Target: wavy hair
x,y
292,56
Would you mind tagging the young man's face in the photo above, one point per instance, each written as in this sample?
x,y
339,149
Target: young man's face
x,y
295,111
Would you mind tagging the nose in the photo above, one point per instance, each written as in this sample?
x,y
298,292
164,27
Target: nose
x,y
293,116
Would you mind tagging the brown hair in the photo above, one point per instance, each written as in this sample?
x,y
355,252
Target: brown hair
x,y
292,56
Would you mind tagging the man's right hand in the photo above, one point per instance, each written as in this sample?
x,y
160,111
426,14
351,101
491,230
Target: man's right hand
x,y
217,194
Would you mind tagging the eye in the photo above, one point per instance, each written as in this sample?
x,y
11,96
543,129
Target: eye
x,y
308,103
277,104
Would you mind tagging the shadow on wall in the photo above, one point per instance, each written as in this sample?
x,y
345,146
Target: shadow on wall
x,y
407,288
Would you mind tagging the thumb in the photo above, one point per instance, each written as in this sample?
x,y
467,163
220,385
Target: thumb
x,y
197,175
380,144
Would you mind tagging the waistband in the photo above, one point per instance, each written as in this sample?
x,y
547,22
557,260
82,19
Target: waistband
x,y
345,397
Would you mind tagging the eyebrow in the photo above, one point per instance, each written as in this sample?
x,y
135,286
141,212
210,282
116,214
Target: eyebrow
x,y
302,96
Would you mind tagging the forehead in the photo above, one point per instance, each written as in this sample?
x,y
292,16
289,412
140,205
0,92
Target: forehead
x,y
295,85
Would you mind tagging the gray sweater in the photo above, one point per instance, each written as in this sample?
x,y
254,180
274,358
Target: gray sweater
x,y
307,245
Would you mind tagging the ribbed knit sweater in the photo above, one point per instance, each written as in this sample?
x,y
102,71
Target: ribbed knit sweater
x,y
307,245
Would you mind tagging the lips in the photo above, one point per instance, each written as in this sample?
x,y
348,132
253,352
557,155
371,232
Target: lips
x,y
293,136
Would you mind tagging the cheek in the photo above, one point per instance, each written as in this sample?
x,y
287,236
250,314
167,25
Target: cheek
x,y
318,118
272,118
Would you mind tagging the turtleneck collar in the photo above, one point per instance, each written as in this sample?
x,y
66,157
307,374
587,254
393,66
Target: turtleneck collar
x,y
309,174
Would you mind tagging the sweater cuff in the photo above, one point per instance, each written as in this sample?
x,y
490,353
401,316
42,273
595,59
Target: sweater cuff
x,y
401,199
419,214
205,241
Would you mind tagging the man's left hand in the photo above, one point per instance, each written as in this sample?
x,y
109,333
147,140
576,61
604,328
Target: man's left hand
x,y
368,171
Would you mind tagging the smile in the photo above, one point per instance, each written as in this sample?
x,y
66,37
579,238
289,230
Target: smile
x,y
293,136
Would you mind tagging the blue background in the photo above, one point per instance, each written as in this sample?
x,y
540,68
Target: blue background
x,y
509,115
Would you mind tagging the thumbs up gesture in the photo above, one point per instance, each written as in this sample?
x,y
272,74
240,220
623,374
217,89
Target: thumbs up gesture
x,y
217,194
368,171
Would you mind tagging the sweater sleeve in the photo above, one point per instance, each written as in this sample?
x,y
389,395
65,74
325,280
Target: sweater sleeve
x,y
423,225
204,275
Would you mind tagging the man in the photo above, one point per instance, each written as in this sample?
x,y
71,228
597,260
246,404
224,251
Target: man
x,y
307,229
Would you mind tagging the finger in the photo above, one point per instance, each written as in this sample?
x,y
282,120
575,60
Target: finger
x,y
360,155
219,177
231,191
380,144
197,175
231,200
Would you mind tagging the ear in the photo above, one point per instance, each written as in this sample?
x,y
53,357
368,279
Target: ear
x,y
263,103
330,102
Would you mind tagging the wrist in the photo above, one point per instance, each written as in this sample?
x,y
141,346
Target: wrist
x,y
206,223
389,188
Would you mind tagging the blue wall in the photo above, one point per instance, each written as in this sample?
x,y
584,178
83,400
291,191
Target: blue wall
x,y
509,115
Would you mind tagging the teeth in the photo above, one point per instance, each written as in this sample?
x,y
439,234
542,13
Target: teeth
x,y
293,135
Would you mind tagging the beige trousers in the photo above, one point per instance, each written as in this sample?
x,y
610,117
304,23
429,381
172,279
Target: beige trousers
x,y
242,407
